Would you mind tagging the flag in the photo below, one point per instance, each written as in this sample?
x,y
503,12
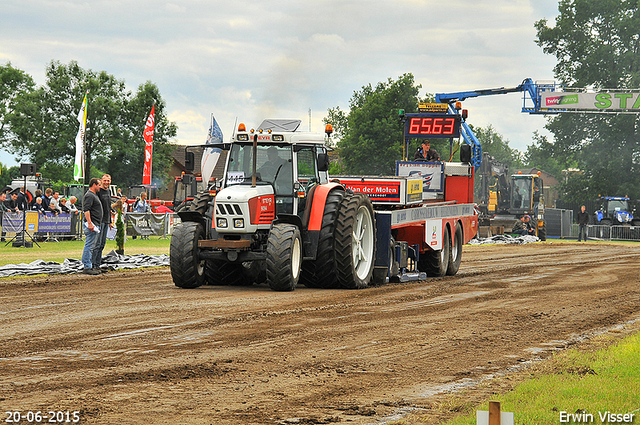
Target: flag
x,y
210,156
148,146
78,167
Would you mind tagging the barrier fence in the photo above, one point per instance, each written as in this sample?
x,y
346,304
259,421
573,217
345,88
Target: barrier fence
x,y
609,233
51,227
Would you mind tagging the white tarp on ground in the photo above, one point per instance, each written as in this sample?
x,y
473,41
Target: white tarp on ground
x,y
504,239
111,261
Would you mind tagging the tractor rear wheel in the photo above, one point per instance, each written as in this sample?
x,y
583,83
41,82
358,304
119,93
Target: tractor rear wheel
x,y
355,241
321,273
201,202
455,253
187,269
284,257
435,263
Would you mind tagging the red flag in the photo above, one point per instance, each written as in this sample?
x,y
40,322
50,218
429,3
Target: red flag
x,y
148,147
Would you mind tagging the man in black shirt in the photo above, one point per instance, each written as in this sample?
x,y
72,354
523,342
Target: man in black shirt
x,y
92,208
583,220
105,200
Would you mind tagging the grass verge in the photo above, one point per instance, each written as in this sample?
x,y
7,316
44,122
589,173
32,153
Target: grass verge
x,y
59,251
601,375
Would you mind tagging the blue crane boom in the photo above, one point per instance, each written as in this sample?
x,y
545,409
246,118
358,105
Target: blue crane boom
x,y
531,104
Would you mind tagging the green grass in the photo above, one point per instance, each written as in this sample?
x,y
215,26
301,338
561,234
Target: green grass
x,y
577,380
59,251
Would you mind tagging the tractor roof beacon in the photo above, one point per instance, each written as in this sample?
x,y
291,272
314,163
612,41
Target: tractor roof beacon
x,y
277,218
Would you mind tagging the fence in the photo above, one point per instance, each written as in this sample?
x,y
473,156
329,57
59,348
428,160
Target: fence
x,y
609,233
559,222
50,227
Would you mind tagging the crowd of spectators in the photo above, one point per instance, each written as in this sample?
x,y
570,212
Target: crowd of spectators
x,y
18,200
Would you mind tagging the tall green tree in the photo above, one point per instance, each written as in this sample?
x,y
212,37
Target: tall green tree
x,y
597,45
370,135
44,125
14,84
498,147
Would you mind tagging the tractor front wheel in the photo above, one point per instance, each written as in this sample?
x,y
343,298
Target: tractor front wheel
x,y
284,257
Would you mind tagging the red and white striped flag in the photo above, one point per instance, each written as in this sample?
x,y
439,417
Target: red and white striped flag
x,y
148,146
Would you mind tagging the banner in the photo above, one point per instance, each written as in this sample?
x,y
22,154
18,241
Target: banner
x,y
36,222
210,156
145,224
78,167
148,146
605,101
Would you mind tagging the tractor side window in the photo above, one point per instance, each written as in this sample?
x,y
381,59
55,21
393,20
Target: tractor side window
x,y
307,172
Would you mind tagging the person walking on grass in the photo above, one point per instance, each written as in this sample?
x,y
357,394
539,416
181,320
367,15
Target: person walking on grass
x,y
92,208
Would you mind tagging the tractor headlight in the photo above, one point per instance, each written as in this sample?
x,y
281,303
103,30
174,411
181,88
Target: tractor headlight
x,y
222,223
238,223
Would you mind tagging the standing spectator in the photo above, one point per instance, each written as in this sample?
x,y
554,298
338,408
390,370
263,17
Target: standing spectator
x,y
54,203
46,198
3,209
37,194
21,202
92,208
583,220
105,200
142,206
72,205
12,202
125,204
37,206
163,209
63,206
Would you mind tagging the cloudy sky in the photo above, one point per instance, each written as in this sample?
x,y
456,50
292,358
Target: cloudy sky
x,y
250,60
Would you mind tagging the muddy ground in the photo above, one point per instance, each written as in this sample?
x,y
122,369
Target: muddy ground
x,y
131,348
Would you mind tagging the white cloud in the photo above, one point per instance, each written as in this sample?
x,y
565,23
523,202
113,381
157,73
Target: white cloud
x,y
248,59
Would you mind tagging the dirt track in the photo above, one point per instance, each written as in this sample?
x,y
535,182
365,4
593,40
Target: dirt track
x,y
129,347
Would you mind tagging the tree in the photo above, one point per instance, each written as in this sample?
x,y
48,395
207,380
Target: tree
x,y
370,135
498,147
14,84
597,44
44,125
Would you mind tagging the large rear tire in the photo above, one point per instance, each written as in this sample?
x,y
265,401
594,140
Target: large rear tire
x,y
201,202
284,257
435,263
321,273
187,269
455,255
355,241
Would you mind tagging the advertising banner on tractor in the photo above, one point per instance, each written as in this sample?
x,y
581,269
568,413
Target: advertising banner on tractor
x,y
377,190
432,173
604,101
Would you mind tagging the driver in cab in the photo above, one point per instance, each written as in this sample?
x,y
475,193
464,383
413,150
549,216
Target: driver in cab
x,y
274,167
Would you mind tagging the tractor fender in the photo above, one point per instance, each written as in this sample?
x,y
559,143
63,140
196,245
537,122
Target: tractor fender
x,y
192,216
316,200
288,219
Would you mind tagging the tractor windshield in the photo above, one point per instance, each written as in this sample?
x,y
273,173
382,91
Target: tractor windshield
x,y
617,205
274,166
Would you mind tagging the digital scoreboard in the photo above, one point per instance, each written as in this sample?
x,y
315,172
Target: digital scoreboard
x,y
425,125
